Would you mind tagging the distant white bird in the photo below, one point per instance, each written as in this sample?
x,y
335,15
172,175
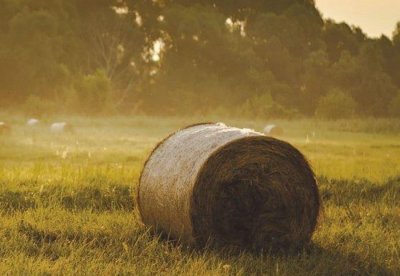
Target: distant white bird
x,y
4,128
273,130
61,127
32,122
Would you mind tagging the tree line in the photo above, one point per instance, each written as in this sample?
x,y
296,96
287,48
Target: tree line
x,y
264,58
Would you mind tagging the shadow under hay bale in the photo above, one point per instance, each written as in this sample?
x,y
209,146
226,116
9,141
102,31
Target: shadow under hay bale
x,y
233,187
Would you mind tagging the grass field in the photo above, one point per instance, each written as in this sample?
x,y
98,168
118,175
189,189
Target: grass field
x,y
67,203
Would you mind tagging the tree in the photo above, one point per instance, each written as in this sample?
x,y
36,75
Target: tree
x,y
396,56
181,56
394,106
94,93
115,45
340,37
32,51
336,105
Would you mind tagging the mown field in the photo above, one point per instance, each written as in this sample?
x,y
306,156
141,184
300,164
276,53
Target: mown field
x,y
67,202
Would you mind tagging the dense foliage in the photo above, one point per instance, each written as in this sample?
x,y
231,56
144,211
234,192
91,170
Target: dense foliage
x,y
184,57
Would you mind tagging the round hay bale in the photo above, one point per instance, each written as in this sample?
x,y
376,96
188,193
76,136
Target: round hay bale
x,y
273,130
210,183
61,127
32,122
5,129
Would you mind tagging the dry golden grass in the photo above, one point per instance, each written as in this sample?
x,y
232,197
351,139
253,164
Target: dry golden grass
x,y
67,203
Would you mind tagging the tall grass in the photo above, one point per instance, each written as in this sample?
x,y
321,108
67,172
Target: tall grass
x,y
68,206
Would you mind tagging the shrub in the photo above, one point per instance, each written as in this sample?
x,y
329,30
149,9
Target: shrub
x,y
336,105
263,106
71,100
35,106
94,93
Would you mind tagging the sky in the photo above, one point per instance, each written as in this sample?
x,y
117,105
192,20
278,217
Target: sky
x,y
375,17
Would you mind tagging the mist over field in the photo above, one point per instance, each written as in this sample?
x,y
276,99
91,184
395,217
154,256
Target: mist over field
x,y
89,88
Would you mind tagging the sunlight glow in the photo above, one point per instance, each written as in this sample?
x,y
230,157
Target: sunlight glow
x,y
138,19
156,51
237,25
121,10
373,16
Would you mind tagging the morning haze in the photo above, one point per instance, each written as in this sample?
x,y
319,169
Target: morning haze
x,y
301,177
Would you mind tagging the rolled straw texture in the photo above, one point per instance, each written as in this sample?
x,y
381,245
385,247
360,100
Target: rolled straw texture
x,y
210,183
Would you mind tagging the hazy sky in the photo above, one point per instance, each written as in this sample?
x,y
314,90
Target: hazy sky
x,y
373,16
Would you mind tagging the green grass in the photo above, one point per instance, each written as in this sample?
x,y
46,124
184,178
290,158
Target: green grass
x,y
68,206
